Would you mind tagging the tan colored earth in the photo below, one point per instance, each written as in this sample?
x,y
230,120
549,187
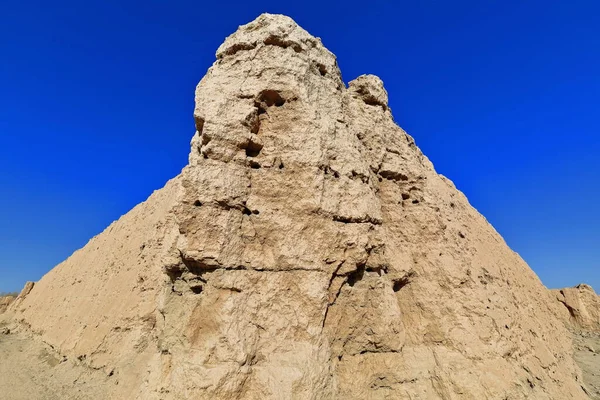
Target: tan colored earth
x,y
308,250
580,312
5,301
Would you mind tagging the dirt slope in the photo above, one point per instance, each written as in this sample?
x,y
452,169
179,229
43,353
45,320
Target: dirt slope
x,y
308,251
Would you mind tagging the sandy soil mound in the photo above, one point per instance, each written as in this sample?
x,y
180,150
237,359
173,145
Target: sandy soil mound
x,y
309,250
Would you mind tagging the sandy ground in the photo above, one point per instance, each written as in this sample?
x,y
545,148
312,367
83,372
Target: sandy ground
x,y
31,370
587,355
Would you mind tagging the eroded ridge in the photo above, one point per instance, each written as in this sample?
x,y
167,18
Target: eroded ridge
x,y
308,250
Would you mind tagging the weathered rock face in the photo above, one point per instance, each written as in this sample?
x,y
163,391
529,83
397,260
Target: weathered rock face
x,y
580,307
309,250
5,301
21,296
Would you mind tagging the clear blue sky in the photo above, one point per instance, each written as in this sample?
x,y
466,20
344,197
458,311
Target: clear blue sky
x,y
96,101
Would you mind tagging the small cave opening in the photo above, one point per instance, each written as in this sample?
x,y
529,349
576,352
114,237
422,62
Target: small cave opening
x,y
254,164
271,98
253,149
196,289
398,284
356,275
174,272
260,109
247,211
198,203
405,196
322,69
